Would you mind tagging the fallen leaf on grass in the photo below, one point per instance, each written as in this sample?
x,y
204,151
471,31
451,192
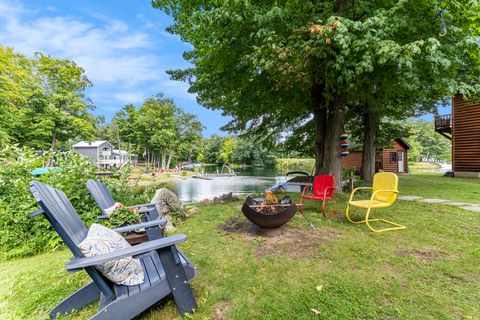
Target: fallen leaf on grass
x,y
319,288
315,311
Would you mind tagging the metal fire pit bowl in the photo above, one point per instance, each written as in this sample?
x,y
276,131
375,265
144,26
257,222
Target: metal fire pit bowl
x,y
270,220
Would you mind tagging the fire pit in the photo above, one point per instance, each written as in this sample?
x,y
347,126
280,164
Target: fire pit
x,y
266,214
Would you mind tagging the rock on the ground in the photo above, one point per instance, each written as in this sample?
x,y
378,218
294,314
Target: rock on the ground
x,y
456,203
192,211
434,200
168,201
471,208
224,198
217,200
169,228
408,198
227,196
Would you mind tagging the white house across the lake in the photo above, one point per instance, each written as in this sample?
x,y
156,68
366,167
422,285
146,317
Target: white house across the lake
x,y
103,153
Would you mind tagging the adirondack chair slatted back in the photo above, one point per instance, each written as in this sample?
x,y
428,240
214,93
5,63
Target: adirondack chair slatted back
x,y
320,183
64,219
61,215
100,193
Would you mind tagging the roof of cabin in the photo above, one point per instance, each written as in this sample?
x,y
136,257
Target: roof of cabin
x,y
404,143
88,144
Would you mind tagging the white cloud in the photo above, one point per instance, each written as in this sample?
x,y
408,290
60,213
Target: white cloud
x,y
130,97
118,60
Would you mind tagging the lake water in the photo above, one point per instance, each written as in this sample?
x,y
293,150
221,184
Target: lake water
x,y
248,180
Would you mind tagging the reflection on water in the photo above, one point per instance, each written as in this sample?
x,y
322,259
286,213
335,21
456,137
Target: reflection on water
x,y
248,180
246,171
194,190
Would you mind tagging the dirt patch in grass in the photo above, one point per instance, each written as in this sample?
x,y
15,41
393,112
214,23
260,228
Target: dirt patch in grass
x,y
241,226
220,312
422,254
296,243
437,211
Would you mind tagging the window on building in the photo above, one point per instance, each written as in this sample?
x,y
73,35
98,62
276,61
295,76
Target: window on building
x,y
393,156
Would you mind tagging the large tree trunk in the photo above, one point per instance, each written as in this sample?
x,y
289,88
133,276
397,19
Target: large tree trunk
x,y
319,119
54,140
369,150
334,127
169,159
164,157
328,125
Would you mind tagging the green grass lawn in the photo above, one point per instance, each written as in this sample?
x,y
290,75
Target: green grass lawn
x,y
431,270
436,186
423,165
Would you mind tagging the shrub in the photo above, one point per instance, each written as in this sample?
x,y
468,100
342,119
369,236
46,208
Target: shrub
x,y
20,235
122,217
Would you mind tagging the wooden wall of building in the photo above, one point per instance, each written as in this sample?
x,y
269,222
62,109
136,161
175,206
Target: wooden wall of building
x,y
384,156
354,159
466,135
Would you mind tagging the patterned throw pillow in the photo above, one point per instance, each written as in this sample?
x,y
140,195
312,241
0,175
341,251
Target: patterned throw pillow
x,y
101,240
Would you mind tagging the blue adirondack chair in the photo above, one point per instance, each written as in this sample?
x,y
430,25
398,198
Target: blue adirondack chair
x,y
166,269
104,199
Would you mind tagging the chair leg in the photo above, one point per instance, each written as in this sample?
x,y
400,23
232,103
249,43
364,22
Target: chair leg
x,y
177,280
308,220
348,216
397,226
367,221
334,213
323,208
77,300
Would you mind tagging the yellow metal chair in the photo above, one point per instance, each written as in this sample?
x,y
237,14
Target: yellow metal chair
x,y
384,193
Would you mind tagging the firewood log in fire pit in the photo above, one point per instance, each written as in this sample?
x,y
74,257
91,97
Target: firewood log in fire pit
x,y
266,214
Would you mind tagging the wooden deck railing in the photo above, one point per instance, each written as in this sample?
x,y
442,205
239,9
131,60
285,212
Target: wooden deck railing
x,y
443,123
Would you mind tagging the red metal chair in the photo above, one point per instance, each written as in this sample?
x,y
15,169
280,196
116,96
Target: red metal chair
x,y
323,189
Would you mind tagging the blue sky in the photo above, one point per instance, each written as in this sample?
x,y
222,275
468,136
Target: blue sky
x,y
122,45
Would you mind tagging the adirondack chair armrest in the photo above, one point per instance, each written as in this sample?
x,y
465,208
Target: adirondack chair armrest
x,y
151,204
80,263
148,224
36,213
140,211
145,210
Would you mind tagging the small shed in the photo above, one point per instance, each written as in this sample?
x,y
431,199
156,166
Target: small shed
x,y
393,158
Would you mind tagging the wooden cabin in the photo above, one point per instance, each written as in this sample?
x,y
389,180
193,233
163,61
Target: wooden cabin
x,y
462,127
393,158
